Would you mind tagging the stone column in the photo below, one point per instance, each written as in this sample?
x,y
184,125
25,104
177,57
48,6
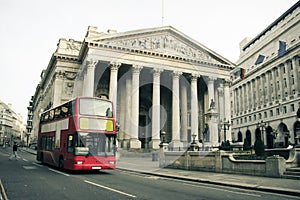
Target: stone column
x,y
221,101
58,88
134,141
274,85
268,90
240,99
156,110
194,106
184,114
281,82
256,93
89,78
128,112
113,85
227,107
296,76
288,84
122,115
211,88
252,94
249,95
176,143
235,101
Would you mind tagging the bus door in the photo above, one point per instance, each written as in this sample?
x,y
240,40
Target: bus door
x,y
69,156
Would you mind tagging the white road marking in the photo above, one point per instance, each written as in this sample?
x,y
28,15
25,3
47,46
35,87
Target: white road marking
x,y
213,188
29,167
36,164
58,172
111,189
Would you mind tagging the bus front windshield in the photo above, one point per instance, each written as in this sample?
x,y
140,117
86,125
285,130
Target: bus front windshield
x,y
95,144
95,107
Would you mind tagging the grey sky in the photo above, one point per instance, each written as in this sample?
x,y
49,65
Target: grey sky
x,y
30,30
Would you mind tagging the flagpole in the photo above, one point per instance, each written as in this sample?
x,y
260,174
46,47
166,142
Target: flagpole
x,y
162,13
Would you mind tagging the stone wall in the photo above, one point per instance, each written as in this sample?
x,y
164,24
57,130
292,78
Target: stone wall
x,y
220,161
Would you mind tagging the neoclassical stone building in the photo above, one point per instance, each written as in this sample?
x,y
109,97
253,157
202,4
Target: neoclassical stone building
x,y
266,90
160,80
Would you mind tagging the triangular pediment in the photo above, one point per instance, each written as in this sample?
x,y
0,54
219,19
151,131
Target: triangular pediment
x,y
165,40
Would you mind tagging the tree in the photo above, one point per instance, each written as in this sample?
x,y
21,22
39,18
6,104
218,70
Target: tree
x,y
259,147
246,145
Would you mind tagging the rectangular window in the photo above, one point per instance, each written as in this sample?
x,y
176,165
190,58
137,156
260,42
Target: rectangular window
x,y
284,110
271,113
277,111
292,107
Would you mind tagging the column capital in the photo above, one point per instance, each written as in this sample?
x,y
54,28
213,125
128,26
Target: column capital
x,y
157,71
176,74
137,68
195,76
221,90
92,63
114,66
209,78
227,82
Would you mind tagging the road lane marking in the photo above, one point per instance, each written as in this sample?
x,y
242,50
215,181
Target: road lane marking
x,y
244,193
29,167
58,172
36,164
111,189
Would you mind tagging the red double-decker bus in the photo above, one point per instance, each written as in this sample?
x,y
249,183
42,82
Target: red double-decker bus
x,y
78,135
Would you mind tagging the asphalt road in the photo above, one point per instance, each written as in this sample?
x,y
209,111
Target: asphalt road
x,y
28,179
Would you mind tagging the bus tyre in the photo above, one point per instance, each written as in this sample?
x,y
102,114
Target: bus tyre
x,y
61,163
41,158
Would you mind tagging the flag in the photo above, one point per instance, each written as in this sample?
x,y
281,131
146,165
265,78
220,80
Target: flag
x,y
242,74
282,48
260,59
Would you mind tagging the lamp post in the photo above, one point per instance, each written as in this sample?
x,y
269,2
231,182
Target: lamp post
x,y
226,126
262,125
163,135
27,139
194,145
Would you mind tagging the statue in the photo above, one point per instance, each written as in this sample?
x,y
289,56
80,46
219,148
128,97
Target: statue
x,y
212,104
206,133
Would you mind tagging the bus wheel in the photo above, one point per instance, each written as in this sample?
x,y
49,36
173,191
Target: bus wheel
x,y
42,158
61,163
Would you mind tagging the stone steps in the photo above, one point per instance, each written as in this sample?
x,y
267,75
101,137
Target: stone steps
x,y
292,173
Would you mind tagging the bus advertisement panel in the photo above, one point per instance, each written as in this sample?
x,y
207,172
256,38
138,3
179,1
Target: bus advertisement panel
x,y
79,135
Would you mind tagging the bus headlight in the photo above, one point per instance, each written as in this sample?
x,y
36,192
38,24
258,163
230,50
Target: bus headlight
x,y
111,162
79,162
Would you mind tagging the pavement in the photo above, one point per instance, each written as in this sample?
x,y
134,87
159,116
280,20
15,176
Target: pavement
x,y
145,165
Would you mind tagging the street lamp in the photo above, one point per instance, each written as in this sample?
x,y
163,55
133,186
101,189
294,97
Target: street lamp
x,y
27,139
163,136
262,125
194,145
226,126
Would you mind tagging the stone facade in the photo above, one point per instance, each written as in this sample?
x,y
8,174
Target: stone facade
x,y
11,126
159,79
265,89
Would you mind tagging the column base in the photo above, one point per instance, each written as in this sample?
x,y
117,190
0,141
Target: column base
x,y
154,144
135,144
125,144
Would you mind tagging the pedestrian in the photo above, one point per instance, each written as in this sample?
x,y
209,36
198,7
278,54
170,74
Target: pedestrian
x,y
15,149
